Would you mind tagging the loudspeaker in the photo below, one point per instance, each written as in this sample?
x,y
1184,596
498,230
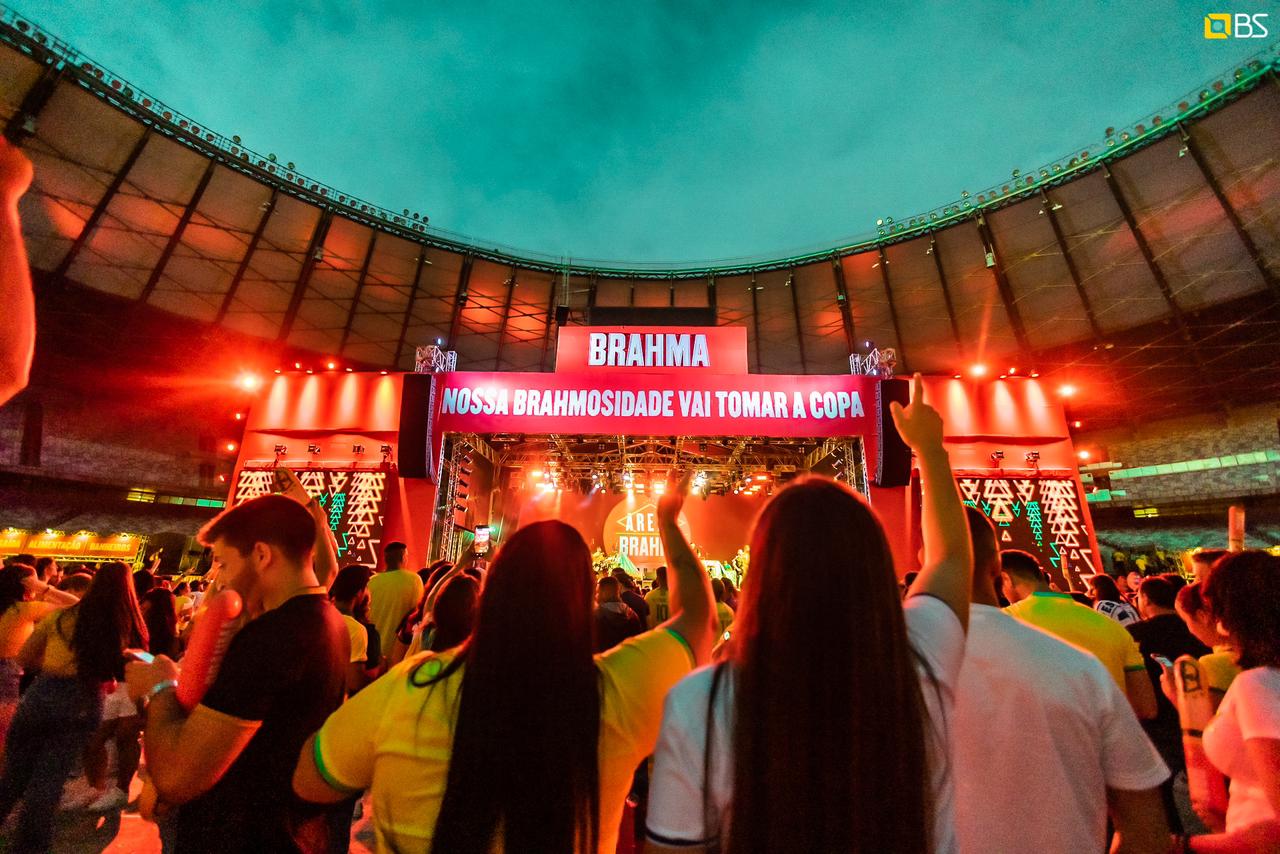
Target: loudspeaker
x,y
893,457
415,425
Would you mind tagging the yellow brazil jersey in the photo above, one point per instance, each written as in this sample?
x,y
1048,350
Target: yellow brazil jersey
x,y
59,659
1220,668
724,614
658,599
1061,616
395,737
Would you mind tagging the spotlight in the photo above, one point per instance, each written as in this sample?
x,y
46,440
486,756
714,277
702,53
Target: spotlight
x,y
239,416
996,457
1067,390
249,382
313,449
1032,458
1077,424
297,366
357,449
281,450
331,365
978,370
1083,455
385,451
231,446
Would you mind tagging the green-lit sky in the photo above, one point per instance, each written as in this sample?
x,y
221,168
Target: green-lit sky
x,y
663,131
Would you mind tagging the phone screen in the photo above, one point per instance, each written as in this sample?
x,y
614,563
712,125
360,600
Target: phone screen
x,y
482,540
141,654
1162,661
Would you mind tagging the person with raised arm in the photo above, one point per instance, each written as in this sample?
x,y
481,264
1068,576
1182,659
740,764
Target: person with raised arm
x,y
16,296
520,739
226,764
826,734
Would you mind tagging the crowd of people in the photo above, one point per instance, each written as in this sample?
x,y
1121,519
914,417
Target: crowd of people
x,y
522,704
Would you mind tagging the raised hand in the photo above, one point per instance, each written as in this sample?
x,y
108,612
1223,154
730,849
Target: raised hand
x,y
15,172
919,424
672,501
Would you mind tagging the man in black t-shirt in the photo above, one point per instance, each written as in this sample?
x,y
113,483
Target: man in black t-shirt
x,y
1161,632
229,764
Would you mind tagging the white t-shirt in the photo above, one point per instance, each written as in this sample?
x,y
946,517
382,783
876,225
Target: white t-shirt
x,y
1250,709
1122,612
1039,721
675,793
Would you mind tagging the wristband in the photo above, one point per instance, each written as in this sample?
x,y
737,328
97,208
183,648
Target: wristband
x,y
163,685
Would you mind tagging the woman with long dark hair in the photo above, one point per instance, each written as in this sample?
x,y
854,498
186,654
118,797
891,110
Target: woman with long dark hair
x,y
1243,738
25,600
1105,596
825,729
79,653
520,738
160,613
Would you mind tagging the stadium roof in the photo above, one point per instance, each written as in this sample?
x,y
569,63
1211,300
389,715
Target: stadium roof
x,y
1142,268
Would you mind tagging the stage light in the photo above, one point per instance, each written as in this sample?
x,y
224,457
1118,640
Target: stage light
x,y
239,416
1035,374
978,370
332,365
222,478
1077,424
1013,372
349,370
309,371
231,446
357,449
957,376
297,366
249,382
1084,455
281,450
278,371
659,488
1032,457
384,373
996,457
313,449
536,474
1067,390
386,452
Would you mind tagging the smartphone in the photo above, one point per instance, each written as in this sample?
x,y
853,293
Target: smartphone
x,y
141,655
1162,661
482,541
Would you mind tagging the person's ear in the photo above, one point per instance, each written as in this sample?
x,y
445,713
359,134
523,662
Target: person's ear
x,y
262,555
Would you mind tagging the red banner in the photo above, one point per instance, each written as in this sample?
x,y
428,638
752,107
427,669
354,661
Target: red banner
x,y
646,349
683,405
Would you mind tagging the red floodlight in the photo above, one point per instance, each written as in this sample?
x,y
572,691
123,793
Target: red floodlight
x,y
1067,390
249,381
978,369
